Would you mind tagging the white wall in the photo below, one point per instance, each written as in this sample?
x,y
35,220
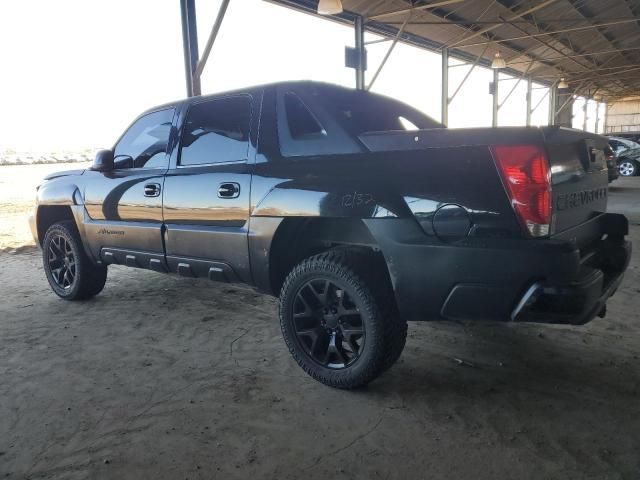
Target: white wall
x,y
624,116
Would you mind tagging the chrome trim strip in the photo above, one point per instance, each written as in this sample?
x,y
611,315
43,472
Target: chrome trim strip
x,y
525,298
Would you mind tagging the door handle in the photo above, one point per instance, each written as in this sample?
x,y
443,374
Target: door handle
x,y
152,190
229,190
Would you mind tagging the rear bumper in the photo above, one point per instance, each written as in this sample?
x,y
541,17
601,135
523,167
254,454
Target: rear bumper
x,y
581,300
550,281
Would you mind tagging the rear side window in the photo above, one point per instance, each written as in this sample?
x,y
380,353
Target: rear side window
x,y
361,111
301,122
407,124
144,144
216,131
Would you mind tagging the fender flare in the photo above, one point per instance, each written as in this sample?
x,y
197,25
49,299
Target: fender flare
x,y
56,194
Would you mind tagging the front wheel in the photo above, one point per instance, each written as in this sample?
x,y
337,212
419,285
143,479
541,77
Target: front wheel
x,y
628,168
338,322
70,272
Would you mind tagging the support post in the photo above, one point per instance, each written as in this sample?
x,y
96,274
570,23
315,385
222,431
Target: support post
x,y
190,45
553,94
529,111
496,105
597,116
585,110
444,101
359,31
564,109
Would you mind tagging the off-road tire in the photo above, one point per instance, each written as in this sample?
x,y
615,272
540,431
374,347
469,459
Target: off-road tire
x,y
89,278
360,273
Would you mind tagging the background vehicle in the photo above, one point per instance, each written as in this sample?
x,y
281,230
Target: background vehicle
x,y
321,196
629,162
620,144
628,155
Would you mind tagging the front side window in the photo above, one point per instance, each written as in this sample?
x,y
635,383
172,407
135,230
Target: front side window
x,y
144,145
217,131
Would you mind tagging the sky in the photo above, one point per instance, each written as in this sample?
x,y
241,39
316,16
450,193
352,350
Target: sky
x,y
75,73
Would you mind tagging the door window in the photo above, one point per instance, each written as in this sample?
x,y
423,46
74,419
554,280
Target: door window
x,y
216,131
144,145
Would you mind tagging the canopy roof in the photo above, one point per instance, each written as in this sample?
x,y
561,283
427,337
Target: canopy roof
x,y
593,44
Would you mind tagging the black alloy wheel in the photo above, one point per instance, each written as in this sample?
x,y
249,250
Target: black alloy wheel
x,y
62,262
328,323
339,319
72,275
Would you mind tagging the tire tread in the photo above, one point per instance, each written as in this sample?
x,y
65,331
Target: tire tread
x,y
360,270
92,277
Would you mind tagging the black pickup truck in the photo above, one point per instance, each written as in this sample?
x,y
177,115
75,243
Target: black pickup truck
x,y
359,212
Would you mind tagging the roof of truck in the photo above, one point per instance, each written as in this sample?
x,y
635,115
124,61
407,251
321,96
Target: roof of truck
x,y
253,89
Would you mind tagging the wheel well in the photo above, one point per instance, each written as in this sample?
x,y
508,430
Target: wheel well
x,y
48,215
299,238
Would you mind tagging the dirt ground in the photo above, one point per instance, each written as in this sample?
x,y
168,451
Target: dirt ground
x,y
169,378
17,196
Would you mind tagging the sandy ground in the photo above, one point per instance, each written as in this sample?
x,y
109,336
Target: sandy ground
x,y
163,377
17,197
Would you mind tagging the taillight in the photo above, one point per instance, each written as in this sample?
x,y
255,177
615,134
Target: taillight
x,y
526,176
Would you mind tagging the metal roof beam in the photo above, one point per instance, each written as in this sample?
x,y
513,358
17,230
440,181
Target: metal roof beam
x,y
566,43
580,9
543,33
501,22
413,9
212,38
521,53
473,66
618,74
514,17
386,30
602,52
586,13
524,74
388,54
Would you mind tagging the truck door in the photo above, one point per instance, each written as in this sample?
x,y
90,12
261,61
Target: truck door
x,y
124,205
207,191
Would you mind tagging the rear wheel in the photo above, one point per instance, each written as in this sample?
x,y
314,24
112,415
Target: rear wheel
x,y
338,320
628,168
70,272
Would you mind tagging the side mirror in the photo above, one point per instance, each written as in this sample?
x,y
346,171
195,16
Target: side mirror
x,y
103,161
122,162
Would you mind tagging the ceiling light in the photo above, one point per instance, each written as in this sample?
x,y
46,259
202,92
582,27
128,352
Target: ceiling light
x,y
329,7
498,61
563,85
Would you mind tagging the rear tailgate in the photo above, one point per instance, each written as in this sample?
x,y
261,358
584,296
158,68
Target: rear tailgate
x,y
579,177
